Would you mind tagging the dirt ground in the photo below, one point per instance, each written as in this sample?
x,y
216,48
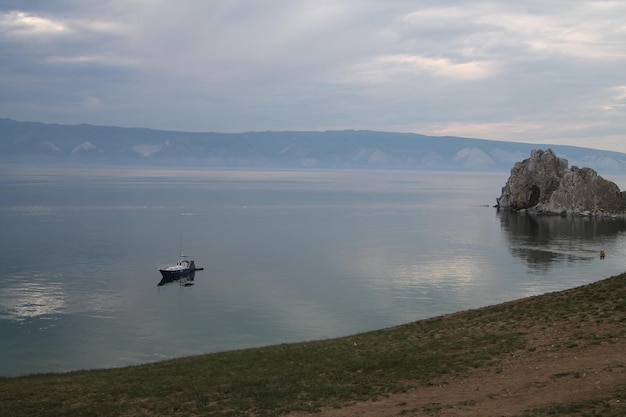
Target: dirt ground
x,y
552,371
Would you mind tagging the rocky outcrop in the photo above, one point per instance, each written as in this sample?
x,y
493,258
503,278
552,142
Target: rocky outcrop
x,y
544,184
533,180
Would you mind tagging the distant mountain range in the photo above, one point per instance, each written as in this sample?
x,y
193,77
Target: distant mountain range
x,y
30,142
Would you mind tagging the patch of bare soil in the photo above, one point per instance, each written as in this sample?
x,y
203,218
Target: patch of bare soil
x,y
554,370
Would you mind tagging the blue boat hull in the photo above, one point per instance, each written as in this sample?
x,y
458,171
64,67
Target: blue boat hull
x,y
187,279
178,273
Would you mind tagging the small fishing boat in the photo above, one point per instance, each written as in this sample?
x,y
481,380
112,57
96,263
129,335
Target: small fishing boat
x,y
184,266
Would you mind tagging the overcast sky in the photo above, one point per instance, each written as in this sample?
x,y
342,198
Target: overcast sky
x,y
529,71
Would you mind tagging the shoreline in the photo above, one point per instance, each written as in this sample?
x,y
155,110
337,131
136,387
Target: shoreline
x,y
565,341
235,350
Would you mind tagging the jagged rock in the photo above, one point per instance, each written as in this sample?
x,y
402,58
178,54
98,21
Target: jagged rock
x,y
582,190
533,180
544,183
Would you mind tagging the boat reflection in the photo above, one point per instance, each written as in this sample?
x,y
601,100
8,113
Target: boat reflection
x,y
182,280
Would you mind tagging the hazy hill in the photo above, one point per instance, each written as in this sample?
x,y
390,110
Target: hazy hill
x,y
29,142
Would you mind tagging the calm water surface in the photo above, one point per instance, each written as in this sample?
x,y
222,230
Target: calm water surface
x,y
288,256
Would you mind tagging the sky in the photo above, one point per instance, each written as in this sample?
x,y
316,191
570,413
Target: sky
x,y
545,72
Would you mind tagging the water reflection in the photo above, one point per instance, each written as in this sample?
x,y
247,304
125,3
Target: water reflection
x,y
182,280
32,299
545,241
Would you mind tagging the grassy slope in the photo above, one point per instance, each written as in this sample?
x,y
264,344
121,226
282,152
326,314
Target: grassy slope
x,y
307,376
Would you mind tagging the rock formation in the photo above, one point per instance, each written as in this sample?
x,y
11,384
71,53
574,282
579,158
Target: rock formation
x,y
544,184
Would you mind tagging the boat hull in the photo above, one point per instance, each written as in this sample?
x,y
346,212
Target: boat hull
x,y
165,273
185,280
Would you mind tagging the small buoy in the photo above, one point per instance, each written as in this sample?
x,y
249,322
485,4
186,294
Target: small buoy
x,y
602,254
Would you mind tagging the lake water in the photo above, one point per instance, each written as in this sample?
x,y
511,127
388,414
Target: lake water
x,y
288,256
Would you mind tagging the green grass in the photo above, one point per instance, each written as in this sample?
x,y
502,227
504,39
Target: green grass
x,y
307,376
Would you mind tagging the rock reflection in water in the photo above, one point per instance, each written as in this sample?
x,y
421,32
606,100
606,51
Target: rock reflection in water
x,y
544,241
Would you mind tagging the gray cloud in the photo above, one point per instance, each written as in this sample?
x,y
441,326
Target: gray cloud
x,y
544,72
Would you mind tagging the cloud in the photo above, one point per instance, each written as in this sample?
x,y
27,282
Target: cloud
x,y
104,60
20,24
16,23
389,68
477,68
578,31
92,101
616,99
